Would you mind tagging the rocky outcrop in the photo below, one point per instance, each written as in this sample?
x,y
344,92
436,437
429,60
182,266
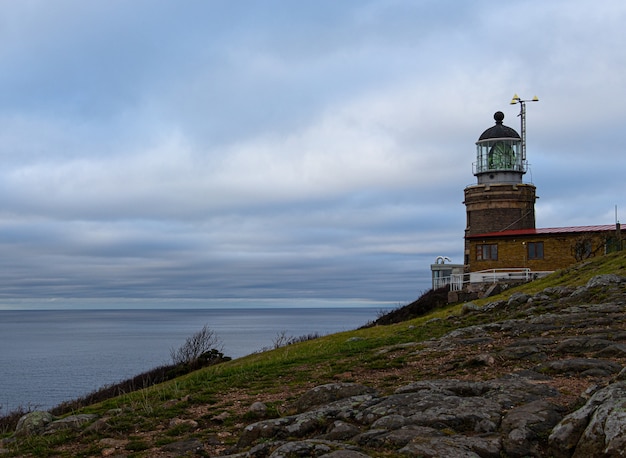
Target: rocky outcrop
x,y
428,418
40,422
596,429
519,414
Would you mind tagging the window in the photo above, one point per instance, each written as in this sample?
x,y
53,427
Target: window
x,y
535,250
501,156
487,252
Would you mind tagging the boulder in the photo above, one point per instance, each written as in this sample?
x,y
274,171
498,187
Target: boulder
x,y
596,429
258,409
605,280
518,299
33,423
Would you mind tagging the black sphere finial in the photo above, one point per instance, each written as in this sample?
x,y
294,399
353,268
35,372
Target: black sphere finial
x,y
498,116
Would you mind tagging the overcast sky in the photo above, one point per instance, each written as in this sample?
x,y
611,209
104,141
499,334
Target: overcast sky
x,y
287,149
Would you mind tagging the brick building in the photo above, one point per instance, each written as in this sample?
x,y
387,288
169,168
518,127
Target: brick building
x,y
500,233
539,250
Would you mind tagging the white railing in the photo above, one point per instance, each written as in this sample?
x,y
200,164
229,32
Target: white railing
x,y
496,275
456,281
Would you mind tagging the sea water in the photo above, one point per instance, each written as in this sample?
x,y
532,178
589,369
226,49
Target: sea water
x,y
51,356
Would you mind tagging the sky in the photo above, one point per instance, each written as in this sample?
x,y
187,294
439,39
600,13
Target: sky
x,y
293,150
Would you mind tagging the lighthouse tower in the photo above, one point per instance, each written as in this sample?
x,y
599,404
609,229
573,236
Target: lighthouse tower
x,y
500,200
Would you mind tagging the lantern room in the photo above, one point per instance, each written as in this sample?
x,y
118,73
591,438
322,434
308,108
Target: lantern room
x,y
499,154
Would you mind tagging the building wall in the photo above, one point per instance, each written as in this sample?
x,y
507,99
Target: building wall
x,y
498,207
559,251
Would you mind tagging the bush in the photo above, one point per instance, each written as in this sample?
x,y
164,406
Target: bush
x,y
204,344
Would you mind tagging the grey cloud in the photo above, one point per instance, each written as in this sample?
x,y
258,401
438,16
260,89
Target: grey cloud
x,y
318,150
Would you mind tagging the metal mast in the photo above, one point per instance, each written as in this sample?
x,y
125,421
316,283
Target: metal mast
x,y
522,114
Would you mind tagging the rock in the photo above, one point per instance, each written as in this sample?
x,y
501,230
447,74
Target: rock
x,y
494,306
583,345
390,422
596,429
438,410
558,291
114,443
622,375
184,447
470,307
523,426
344,454
258,409
483,359
355,339
263,430
301,448
331,392
340,430
111,447
612,351
604,280
380,438
583,366
409,419
440,447
33,423
187,422
540,297
221,417
75,422
527,352
100,425
518,299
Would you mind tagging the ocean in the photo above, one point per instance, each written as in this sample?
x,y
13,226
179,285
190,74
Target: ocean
x,y
51,356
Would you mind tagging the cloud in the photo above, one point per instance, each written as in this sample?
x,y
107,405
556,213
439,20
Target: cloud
x,y
160,149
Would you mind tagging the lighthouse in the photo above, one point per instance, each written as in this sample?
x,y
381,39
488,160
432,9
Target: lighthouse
x,y
500,200
502,243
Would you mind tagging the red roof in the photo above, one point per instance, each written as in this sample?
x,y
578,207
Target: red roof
x,y
545,230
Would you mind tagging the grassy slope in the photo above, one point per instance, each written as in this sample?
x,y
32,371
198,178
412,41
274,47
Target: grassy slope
x,y
279,376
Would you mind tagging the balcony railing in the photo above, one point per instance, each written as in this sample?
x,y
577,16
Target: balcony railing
x,y
457,281
484,167
496,275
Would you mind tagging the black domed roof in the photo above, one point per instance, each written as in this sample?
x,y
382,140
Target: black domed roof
x,y
499,130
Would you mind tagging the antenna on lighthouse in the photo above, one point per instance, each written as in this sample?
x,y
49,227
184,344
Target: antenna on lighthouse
x,y
516,99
